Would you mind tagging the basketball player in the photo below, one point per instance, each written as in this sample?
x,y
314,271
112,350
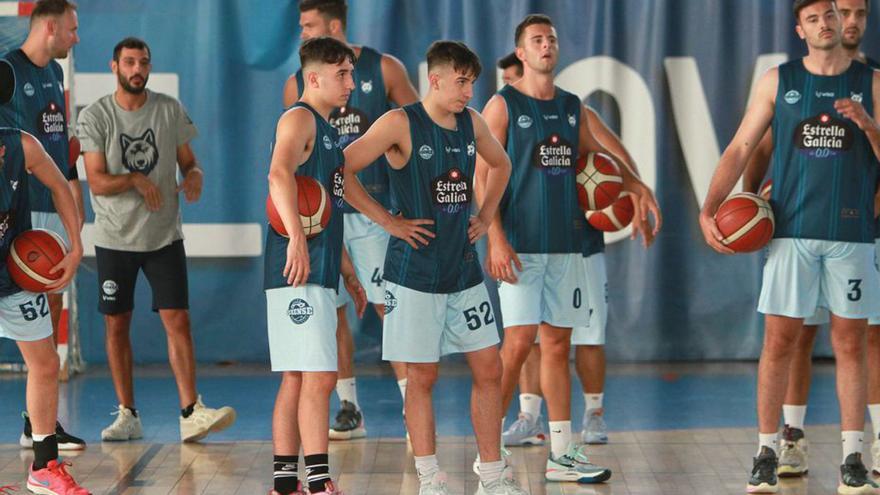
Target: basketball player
x,y
535,245
825,102
435,300
793,446
135,142
38,107
302,276
589,341
380,80
23,315
511,68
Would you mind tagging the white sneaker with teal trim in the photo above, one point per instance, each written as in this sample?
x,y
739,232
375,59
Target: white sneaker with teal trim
x,y
575,466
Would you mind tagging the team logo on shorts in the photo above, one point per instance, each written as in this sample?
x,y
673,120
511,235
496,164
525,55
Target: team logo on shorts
x,y
367,86
426,152
328,144
28,89
109,287
792,97
139,154
299,311
524,121
390,302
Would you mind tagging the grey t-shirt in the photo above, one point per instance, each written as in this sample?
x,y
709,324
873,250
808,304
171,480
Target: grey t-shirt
x,y
143,141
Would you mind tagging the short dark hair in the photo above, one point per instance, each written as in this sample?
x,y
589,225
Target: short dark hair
x,y
456,54
131,43
47,8
329,9
530,20
324,50
800,5
510,60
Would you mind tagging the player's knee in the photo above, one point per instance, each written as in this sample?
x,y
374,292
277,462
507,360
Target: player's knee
x,y
45,368
847,345
874,338
422,377
516,349
176,321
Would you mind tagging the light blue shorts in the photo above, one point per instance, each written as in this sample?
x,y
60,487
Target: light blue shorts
x,y
801,275
419,327
366,243
550,289
597,290
822,317
302,328
24,316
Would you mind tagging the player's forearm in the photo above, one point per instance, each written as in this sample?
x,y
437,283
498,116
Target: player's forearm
x,y
360,200
67,210
729,170
283,191
346,267
76,190
104,184
190,165
495,185
873,134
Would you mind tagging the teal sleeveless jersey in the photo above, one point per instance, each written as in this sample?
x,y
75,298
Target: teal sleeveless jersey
x,y
539,210
366,104
824,171
15,211
38,107
325,249
437,184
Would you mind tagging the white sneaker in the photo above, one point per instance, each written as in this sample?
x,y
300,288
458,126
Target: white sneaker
x,y
506,485
575,466
125,427
875,457
205,420
505,454
437,486
793,453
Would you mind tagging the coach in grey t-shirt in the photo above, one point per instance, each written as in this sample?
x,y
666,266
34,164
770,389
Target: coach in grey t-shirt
x,y
134,142
143,141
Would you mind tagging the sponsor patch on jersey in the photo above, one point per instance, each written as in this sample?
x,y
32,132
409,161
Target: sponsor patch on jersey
x,y
554,155
426,152
792,97
299,311
524,121
823,136
337,183
350,122
451,191
367,86
28,89
390,302
328,143
51,122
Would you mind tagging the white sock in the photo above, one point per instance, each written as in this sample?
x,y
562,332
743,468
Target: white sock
x,y
346,389
401,384
851,441
560,437
593,401
530,404
40,438
767,440
874,411
490,471
794,415
426,467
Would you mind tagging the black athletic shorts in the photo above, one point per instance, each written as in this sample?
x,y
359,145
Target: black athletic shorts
x,y
164,268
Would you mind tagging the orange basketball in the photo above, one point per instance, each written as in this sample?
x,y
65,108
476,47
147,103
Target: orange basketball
x,y
599,182
314,208
615,217
746,222
32,254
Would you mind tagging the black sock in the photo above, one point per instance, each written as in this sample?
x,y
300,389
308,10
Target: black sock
x,y
134,412
45,451
317,471
286,476
188,410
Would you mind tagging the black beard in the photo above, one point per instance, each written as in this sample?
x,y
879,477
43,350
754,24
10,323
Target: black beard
x,y
128,88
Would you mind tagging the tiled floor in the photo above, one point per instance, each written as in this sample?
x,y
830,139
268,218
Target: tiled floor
x,y
676,429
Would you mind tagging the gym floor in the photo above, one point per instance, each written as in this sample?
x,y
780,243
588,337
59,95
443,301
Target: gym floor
x,y
674,429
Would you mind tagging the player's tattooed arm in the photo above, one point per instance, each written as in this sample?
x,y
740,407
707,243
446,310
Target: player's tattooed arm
x,y
754,125
397,84
611,141
502,261
40,164
191,172
389,136
294,140
497,165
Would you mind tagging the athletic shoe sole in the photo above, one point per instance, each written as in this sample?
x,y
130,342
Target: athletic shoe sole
x,y
853,490
359,432
791,471
596,441
538,439
28,443
223,422
557,475
762,488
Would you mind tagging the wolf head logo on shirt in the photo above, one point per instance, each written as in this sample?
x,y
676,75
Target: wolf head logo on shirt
x,y
139,154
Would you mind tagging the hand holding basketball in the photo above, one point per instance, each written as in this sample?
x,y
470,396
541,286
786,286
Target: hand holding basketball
x,y
711,234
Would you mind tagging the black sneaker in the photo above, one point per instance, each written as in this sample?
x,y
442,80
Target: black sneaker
x,y
66,441
349,423
763,478
854,477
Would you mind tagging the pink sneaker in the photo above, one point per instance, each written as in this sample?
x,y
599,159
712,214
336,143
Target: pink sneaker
x,y
54,480
8,489
299,490
329,489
